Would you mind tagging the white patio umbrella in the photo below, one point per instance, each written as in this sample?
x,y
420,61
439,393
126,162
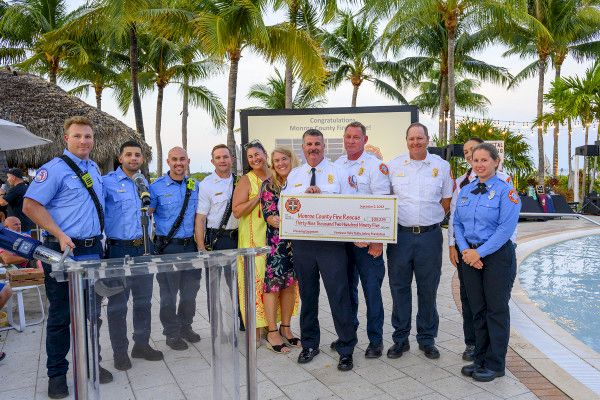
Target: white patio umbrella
x,y
14,136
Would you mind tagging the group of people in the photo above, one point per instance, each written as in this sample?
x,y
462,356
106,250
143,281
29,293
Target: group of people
x,y
81,209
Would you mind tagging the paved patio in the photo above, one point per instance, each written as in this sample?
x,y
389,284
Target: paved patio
x,y
186,374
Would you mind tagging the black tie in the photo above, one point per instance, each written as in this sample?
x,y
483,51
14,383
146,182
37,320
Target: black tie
x,y
313,177
481,189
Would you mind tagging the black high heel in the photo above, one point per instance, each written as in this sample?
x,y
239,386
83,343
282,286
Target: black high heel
x,y
293,341
277,348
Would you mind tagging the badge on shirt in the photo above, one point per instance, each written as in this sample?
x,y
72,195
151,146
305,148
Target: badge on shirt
x,y
464,200
384,169
361,171
352,182
435,172
492,194
330,179
41,176
400,174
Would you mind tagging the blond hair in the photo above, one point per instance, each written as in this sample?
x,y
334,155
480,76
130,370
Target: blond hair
x,y
277,181
77,120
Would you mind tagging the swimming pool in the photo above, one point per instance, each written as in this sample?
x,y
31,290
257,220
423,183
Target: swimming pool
x,y
564,281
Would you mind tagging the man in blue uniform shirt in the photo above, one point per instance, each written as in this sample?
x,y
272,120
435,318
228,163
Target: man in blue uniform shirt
x,y
59,202
176,235
124,237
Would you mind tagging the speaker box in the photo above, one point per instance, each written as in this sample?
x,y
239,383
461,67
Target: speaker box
x,y
592,150
591,205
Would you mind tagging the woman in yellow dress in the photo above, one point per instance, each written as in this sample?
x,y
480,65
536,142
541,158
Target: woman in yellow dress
x,y
252,231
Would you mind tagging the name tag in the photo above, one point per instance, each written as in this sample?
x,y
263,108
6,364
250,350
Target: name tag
x,y
121,190
297,185
218,194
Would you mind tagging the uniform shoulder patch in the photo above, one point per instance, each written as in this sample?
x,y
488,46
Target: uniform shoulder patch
x,y
41,175
384,169
513,196
508,179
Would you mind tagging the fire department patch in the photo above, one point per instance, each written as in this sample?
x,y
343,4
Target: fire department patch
x,y
384,169
293,205
513,196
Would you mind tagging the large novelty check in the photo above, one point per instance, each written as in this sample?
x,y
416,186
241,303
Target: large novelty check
x,y
342,218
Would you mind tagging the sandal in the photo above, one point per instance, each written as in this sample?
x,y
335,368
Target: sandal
x,y
277,348
293,341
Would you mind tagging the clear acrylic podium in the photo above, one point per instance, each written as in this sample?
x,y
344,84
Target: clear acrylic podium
x,y
208,369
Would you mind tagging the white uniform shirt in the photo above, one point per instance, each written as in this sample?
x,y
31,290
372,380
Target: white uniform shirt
x,y
329,178
214,195
502,175
420,185
367,174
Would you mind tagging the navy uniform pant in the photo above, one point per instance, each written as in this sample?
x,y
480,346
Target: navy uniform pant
x,y
58,335
421,255
467,314
224,242
371,271
328,260
140,289
173,316
488,291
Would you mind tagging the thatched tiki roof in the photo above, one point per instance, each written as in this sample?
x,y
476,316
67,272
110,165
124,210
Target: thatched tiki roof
x,y
43,107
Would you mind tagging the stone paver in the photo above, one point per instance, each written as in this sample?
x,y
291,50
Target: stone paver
x,y
187,375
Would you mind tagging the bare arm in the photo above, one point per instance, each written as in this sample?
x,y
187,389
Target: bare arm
x,y
200,231
446,204
2,201
10,258
241,204
38,214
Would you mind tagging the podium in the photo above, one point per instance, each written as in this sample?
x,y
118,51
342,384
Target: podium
x,y
207,369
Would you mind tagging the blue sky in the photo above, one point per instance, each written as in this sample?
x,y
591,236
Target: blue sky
x,y
516,104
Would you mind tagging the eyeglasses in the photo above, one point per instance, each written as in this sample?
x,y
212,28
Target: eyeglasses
x,y
254,143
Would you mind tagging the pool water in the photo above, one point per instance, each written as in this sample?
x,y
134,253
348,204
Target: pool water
x,y
564,281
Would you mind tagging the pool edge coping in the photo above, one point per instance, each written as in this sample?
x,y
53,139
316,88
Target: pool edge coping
x,y
548,367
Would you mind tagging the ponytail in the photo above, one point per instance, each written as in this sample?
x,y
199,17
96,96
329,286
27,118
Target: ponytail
x,y
465,181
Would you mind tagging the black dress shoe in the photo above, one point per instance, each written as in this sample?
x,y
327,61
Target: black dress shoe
x,y
397,349
57,387
122,362
176,343
105,376
307,354
374,351
333,345
468,370
430,351
346,363
469,353
146,352
486,375
189,335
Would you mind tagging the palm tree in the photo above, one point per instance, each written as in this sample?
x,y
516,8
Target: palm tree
x,y
304,15
31,38
164,62
227,27
351,56
273,94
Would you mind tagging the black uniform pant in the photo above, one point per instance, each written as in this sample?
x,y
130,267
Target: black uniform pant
x,y
140,288
421,255
488,291
328,260
175,317
467,314
58,335
371,271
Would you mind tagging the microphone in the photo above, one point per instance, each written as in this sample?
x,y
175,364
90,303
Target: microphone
x,y
143,191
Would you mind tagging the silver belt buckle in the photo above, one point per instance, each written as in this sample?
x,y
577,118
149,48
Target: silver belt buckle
x,y
416,230
88,242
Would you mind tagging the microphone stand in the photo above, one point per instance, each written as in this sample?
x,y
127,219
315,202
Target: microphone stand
x,y
145,221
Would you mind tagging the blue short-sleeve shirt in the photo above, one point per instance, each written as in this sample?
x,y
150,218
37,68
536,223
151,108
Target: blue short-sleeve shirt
x,y
123,206
167,199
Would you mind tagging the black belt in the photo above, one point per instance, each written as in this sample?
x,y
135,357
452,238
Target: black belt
x,y
181,241
131,243
474,245
89,242
418,229
222,232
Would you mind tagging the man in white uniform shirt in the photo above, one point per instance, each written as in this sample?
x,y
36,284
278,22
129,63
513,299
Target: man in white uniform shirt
x,y
366,174
327,259
423,184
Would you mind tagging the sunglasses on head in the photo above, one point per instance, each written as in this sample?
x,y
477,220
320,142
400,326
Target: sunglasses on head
x,y
254,143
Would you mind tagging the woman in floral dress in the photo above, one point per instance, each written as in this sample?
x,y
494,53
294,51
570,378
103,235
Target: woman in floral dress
x,y
280,285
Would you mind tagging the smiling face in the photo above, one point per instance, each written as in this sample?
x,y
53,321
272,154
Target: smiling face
x,y
282,164
314,149
257,158
131,159
178,162
80,140
354,142
468,151
417,142
221,159
483,164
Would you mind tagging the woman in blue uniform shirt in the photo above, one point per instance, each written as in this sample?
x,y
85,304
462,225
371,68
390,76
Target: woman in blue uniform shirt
x,y
487,212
